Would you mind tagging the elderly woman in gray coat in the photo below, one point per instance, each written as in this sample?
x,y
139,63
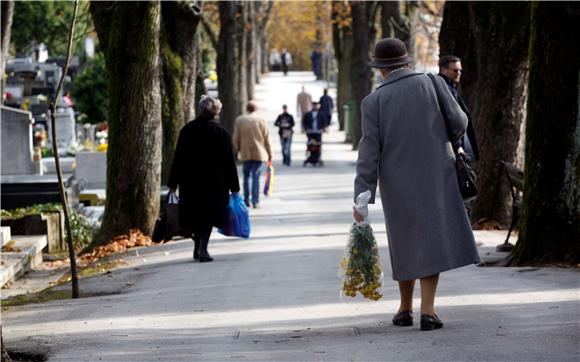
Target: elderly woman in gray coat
x,y
406,148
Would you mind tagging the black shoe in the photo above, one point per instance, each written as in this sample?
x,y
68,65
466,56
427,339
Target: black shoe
x,y
404,318
205,257
429,323
256,206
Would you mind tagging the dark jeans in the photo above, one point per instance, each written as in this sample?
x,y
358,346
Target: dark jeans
x,y
252,169
286,146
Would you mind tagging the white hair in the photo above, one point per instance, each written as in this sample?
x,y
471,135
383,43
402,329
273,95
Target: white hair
x,y
209,106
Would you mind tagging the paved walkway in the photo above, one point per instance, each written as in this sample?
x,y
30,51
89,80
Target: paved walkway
x,y
276,296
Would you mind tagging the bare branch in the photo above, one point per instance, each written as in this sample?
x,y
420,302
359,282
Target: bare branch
x,y
71,251
210,33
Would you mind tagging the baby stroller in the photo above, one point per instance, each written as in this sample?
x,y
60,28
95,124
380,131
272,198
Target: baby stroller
x,y
313,149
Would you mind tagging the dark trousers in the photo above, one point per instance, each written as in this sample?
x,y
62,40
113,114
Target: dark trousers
x,y
201,234
286,149
252,169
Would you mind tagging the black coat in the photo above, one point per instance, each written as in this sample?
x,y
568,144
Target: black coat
x,y
308,121
470,132
281,124
205,171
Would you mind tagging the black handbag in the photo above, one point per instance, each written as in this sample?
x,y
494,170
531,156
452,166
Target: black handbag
x,y
167,224
466,175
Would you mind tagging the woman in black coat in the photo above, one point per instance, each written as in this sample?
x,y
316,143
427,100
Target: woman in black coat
x,y
205,171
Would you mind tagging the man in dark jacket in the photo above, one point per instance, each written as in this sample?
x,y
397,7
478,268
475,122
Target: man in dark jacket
x,y
326,106
313,122
285,123
450,70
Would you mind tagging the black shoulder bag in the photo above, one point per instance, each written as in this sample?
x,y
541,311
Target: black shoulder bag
x,y
465,174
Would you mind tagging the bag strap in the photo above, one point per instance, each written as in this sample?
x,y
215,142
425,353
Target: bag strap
x,y
443,113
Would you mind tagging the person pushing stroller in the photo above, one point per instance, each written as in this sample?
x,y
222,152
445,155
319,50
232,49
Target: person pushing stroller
x,y
314,124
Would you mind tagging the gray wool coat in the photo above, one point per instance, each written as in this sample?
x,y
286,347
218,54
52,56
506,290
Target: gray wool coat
x,y
406,149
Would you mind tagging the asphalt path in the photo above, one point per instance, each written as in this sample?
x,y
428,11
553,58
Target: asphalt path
x,y
276,296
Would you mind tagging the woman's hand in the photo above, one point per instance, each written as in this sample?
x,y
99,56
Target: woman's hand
x,y
357,217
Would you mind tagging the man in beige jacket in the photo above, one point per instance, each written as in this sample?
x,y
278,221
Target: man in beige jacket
x,y
252,142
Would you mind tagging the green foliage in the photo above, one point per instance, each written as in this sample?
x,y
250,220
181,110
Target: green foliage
x,y
82,231
90,91
48,22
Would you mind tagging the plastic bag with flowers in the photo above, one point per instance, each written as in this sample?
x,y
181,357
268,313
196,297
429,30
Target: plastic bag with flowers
x,y
360,266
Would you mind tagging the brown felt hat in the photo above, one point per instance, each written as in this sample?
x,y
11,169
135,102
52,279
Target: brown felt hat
x,y
390,52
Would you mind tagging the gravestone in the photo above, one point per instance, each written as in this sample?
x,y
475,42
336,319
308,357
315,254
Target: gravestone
x,y
17,151
91,169
65,129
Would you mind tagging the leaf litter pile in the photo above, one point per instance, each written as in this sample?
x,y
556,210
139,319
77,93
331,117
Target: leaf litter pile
x,y
119,244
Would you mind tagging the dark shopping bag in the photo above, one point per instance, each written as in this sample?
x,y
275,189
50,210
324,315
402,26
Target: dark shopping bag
x,y
237,219
167,224
160,230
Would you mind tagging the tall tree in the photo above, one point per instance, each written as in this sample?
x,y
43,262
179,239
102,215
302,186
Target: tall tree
x,y
343,42
550,224
179,21
250,27
363,28
490,38
129,35
230,62
7,8
396,23
456,38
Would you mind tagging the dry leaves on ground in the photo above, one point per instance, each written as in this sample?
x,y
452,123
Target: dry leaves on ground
x,y
119,244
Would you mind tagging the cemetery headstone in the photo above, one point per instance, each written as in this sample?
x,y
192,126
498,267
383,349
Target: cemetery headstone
x,y
17,151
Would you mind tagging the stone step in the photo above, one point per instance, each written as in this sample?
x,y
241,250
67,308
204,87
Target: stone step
x,y
26,255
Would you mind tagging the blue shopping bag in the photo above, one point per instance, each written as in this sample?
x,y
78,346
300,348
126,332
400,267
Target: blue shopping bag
x,y
237,219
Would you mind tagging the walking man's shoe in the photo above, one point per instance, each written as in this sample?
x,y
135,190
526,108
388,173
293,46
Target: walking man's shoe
x,y
429,323
403,318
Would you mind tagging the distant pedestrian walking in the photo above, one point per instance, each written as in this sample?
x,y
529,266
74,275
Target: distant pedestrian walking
x,y
405,147
316,58
286,60
274,60
252,142
303,103
205,171
326,107
285,123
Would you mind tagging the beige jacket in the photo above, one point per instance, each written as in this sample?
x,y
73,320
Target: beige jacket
x,y
303,104
251,138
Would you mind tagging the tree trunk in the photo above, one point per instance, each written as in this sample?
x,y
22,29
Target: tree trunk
x,y
265,52
230,56
456,38
7,13
129,35
179,58
200,89
342,42
360,75
550,224
393,23
250,34
500,31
